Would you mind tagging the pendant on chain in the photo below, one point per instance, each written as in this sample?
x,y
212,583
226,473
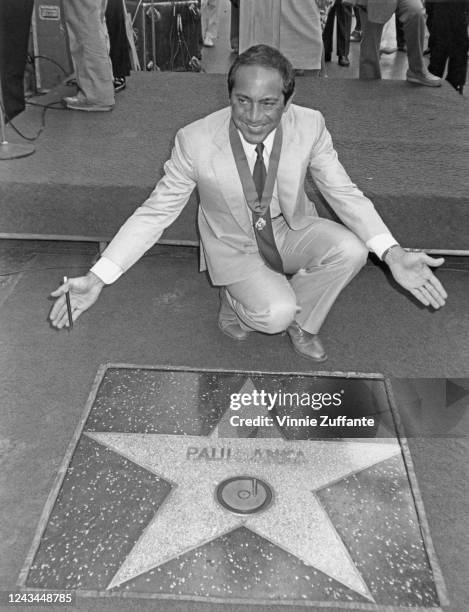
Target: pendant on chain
x,y
260,224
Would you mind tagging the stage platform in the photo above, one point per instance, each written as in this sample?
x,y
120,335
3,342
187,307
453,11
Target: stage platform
x,y
406,147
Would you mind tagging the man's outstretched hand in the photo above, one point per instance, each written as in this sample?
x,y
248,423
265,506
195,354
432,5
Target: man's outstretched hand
x,y
413,272
84,291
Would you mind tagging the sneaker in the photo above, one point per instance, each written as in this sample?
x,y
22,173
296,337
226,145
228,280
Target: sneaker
x,y
423,78
119,84
80,103
208,41
356,36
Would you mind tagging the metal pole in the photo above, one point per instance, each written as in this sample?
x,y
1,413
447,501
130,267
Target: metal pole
x,y
153,34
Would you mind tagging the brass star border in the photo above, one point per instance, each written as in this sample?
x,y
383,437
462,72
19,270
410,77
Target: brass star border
x,y
118,443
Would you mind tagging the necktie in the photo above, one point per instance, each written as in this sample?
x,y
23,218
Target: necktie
x,y
263,223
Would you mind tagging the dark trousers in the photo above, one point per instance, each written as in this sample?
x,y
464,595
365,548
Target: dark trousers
x,y
449,41
234,23
343,12
15,22
400,38
118,44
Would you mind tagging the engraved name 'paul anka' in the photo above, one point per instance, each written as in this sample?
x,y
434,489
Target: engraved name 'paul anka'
x,y
227,453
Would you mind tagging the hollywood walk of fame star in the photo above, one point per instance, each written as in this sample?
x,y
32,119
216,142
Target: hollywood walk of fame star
x,y
295,521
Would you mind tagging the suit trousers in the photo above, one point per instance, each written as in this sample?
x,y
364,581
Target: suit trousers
x,y
319,261
89,48
412,15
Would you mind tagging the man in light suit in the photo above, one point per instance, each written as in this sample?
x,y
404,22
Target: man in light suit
x,y
291,282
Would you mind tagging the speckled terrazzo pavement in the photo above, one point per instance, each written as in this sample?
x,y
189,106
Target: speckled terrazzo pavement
x,y
166,492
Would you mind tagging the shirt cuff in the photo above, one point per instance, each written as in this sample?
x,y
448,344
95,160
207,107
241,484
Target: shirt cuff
x,y
106,270
380,243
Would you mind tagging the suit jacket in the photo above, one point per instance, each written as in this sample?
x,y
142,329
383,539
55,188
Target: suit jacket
x,y
202,157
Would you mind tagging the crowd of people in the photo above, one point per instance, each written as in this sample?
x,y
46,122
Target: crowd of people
x,y
99,43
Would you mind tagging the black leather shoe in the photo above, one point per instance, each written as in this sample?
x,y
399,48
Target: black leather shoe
x,y
228,322
344,61
306,344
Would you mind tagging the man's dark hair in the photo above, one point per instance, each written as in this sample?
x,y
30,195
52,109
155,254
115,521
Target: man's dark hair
x,y
267,57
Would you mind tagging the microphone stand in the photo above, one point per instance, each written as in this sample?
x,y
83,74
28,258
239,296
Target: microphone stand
x,y
11,150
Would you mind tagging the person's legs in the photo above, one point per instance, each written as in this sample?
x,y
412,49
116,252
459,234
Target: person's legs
x,y
118,44
344,25
369,67
440,39
358,25
400,38
458,17
209,9
323,258
319,261
234,25
429,20
328,32
264,302
89,48
412,15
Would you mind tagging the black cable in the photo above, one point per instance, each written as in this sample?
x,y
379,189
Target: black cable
x,y
12,125
49,59
49,106
45,107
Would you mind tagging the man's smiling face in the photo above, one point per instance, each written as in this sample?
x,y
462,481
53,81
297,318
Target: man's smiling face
x,y
257,102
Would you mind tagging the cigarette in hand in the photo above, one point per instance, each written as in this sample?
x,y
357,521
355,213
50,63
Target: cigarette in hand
x,y
69,307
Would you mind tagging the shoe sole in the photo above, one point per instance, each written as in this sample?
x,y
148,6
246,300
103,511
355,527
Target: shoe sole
x,y
90,109
425,84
